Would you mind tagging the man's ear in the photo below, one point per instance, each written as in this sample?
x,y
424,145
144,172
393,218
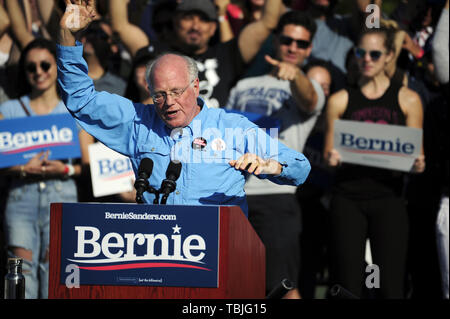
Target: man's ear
x,y
197,87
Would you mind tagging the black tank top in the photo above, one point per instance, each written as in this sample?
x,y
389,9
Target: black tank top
x,y
363,182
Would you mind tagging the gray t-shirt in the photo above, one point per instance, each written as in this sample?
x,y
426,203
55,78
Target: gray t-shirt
x,y
269,96
330,46
111,83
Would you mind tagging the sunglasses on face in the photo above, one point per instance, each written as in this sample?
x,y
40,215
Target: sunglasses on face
x,y
374,54
301,44
32,67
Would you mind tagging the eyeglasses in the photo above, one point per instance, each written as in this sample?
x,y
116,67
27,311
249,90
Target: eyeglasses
x,y
301,44
160,97
374,54
32,67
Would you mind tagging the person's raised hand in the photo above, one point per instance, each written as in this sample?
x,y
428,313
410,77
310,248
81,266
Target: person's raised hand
x,y
78,15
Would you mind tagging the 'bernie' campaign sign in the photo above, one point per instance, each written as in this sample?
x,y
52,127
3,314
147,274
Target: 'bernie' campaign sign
x,y
21,139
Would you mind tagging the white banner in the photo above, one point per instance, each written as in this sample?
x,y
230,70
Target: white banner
x,y
386,146
111,172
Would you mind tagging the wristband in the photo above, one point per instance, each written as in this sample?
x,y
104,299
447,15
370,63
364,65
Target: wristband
x,y
222,18
421,54
69,170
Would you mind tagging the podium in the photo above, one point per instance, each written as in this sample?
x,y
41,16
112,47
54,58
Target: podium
x,y
207,252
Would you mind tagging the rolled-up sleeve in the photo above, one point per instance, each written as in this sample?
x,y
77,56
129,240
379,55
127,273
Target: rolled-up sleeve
x,y
107,117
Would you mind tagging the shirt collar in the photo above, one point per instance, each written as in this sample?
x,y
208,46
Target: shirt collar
x,y
201,116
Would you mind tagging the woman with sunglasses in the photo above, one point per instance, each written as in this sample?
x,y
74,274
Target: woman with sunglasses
x,y
367,201
41,181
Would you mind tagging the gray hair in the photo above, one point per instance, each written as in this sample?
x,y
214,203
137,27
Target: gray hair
x,y
190,63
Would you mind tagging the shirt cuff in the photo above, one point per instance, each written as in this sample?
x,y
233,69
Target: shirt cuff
x,y
69,52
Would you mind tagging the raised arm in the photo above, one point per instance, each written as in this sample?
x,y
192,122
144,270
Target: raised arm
x,y
108,117
226,33
133,37
50,15
19,25
46,9
302,88
4,21
254,34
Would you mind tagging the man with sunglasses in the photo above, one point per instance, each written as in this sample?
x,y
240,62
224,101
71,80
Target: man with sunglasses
x,y
288,96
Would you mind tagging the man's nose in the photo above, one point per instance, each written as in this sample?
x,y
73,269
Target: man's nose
x,y
196,22
170,100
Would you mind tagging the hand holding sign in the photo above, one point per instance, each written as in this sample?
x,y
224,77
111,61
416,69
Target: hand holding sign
x,y
285,70
386,146
53,168
333,158
419,164
36,163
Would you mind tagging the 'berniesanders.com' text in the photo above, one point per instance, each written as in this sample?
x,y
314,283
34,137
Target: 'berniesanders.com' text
x,y
141,216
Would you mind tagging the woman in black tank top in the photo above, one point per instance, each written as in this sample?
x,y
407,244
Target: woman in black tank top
x,y
366,201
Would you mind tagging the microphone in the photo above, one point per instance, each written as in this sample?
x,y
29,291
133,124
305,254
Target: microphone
x,y
339,292
281,289
168,185
141,184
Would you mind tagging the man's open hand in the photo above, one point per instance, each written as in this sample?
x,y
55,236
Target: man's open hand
x,y
254,164
78,15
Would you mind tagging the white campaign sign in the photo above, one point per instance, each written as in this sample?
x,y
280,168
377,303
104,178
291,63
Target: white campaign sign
x,y
111,172
386,146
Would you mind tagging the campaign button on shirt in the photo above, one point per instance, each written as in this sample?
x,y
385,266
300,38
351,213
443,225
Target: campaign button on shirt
x,y
199,143
218,144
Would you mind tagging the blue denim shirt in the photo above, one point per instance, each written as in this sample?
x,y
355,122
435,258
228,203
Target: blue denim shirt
x,y
204,147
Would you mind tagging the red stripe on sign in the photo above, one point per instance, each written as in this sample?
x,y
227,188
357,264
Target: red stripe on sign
x,y
142,265
377,152
25,149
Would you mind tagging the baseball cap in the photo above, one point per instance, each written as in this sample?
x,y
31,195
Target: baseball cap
x,y
205,6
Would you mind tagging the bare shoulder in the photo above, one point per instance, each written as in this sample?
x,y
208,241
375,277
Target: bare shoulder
x,y
337,103
408,99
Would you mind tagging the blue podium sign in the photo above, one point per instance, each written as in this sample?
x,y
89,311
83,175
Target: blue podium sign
x,y
141,245
23,138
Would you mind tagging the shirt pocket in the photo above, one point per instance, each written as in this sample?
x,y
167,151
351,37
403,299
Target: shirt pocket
x,y
159,153
211,169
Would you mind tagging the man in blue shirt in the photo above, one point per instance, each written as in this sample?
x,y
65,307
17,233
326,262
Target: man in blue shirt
x,y
217,149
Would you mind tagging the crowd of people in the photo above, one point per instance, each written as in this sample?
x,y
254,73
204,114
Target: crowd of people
x,y
292,65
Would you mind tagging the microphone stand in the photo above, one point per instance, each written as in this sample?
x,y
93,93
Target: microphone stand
x,y
150,189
